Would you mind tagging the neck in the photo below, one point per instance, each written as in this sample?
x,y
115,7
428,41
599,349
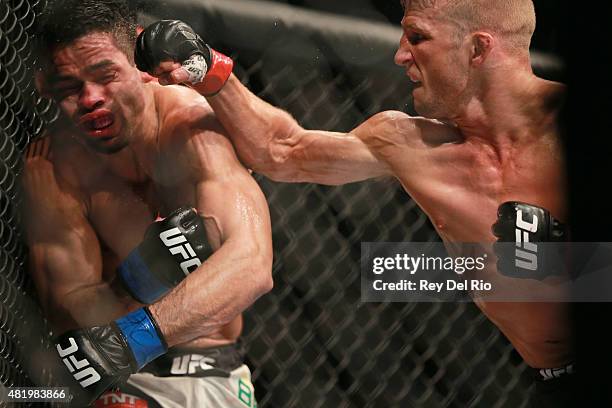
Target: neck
x,y
511,104
136,161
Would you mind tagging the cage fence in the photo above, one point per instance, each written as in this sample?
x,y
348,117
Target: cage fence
x,y
310,342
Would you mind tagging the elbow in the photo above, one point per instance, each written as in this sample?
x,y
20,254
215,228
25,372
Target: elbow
x,y
264,274
282,159
266,284
261,264
269,162
280,167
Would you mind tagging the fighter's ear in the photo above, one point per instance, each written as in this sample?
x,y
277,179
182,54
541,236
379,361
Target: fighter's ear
x,y
482,44
146,77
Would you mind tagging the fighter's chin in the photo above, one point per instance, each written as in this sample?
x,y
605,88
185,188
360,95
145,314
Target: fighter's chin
x,y
110,145
108,140
427,109
419,102
424,109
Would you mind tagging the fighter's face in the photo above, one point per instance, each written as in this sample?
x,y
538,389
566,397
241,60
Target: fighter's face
x,y
98,88
437,62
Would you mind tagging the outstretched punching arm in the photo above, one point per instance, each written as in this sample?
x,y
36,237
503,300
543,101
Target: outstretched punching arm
x,y
267,139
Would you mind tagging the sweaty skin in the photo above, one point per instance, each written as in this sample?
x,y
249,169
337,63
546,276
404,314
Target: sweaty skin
x,y
494,140
139,151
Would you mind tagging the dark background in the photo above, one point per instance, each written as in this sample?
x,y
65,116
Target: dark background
x,y
587,136
548,14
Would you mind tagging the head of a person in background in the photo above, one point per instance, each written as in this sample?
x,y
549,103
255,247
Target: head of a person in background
x,y
86,50
453,49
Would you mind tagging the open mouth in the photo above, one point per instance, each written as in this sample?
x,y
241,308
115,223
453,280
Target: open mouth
x,y
413,80
98,124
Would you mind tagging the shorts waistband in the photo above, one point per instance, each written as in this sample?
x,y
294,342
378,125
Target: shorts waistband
x,y
546,374
197,362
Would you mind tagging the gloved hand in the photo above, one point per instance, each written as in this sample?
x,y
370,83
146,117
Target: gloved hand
x,y
527,226
102,357
171,249
174,41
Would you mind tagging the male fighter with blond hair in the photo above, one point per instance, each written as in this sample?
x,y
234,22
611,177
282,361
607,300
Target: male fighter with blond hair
x,y
487,143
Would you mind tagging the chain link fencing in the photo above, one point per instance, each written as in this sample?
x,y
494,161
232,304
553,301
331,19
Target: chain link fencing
x,y
23,116
310,342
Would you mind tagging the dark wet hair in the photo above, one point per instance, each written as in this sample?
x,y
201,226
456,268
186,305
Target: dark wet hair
x,y
64,21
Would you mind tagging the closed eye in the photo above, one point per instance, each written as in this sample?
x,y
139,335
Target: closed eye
x,y
416,38
106,77
62,91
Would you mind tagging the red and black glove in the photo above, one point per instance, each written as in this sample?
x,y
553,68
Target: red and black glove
x,y
176,41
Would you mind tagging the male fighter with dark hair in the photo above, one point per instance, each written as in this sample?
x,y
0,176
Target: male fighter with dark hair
x,y
123,285
487,145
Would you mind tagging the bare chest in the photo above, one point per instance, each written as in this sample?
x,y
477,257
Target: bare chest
x,y
461,194
121,211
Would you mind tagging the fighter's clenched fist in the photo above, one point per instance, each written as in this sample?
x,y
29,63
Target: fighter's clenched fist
x,y
528,226
102,357
172,248
174,52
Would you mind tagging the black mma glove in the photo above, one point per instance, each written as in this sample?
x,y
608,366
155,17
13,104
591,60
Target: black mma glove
x,y
528,226
174,40
171,249
102,357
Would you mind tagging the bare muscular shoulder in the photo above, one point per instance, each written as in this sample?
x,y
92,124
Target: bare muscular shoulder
x,y
389,134
191,137
61,169
409,145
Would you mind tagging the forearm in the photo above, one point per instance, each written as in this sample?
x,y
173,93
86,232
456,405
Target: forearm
x,y
90,306
271,142
69,282
262,134
222,288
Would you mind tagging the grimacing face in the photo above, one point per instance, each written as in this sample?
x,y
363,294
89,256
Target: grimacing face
x,y
437,62
99,90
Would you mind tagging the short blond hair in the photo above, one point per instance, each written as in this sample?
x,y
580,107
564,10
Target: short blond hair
x,y
512,20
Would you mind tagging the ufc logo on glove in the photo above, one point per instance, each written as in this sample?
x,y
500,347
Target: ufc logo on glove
x,y
526,257
81,369
172,248
177,244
